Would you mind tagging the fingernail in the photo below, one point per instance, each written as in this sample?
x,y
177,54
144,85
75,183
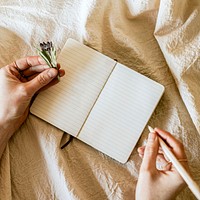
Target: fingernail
x,y
46,66
41,60
152,136
52,73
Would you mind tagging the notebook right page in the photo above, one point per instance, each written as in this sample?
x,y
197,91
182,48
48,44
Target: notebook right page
x,y
121,113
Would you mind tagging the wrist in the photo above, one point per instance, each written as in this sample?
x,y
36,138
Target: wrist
x,y
6,131
7,127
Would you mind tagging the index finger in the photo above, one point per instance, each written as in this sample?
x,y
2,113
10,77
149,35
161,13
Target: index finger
x,y
172,142
30,61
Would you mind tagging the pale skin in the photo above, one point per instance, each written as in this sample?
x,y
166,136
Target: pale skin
x,y
164,183
21,80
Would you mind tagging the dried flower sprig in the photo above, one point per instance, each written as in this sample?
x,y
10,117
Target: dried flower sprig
x,y
48,52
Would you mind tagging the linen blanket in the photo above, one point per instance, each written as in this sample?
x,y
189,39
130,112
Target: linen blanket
x,y
159,39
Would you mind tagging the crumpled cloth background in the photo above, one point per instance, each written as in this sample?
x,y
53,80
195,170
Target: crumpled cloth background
x,y
160,39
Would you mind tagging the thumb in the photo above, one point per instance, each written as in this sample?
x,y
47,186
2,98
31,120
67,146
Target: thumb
x,y
41,80
150,154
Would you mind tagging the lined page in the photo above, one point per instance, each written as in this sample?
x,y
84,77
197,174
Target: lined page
x,y
67,104
121,113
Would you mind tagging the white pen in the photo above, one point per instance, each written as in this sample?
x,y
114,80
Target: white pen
x,y
185,175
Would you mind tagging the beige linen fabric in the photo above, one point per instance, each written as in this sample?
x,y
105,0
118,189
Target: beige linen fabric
x,y
160,39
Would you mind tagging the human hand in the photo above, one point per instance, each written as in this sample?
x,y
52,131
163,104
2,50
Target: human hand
x,y
19,82
164,183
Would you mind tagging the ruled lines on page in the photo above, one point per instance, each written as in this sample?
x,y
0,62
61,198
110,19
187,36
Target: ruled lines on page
x,y
67,104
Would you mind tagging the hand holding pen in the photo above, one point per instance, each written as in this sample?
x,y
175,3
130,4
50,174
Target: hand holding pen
x,y
159,178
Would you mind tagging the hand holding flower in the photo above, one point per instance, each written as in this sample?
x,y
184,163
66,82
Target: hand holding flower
x,y
19,82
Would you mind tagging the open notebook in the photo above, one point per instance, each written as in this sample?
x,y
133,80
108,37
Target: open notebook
x,y
99,101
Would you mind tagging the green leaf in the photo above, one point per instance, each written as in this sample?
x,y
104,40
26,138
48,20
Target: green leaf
x,y
45,58
48,53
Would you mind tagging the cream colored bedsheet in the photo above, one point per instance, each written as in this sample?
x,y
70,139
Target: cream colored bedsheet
x,y
160,39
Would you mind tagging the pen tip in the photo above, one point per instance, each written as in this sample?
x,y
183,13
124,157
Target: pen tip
x,y
150,129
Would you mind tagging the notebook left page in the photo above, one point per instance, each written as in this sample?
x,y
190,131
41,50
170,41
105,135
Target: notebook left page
x,y
67,104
